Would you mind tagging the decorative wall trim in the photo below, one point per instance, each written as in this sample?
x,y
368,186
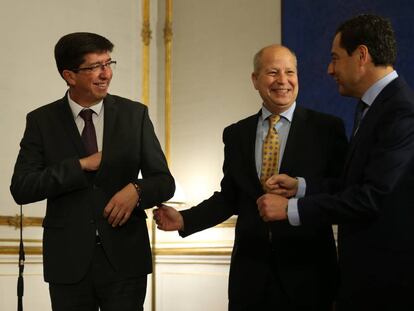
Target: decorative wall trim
x,y
146,39
168,35
229,223
14,250
15,221
201,251
24,240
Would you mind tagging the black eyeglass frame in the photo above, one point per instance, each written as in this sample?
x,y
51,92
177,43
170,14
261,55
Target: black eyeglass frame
x,y
96,67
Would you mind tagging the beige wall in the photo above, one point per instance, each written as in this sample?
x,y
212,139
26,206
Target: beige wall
x,y
29,79
214,43
28,76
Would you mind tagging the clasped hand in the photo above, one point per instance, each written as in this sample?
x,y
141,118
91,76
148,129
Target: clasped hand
x,y
273,204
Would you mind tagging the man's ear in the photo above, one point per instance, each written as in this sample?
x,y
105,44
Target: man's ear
x,y
69,77
363,54
254,79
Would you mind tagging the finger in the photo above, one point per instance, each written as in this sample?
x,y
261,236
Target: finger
x,y
271,187
112,215
259,201
117,219
108,209
122,212
281,192
124,219
275,179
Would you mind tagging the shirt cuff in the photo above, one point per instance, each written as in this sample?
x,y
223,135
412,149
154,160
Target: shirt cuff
x,y
301,188
293,213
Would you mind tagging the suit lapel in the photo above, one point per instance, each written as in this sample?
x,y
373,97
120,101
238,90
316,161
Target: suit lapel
x,y
295,136
66,117
248,142
110,115
371,116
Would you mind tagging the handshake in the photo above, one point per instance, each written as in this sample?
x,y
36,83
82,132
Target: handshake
x,y
272,205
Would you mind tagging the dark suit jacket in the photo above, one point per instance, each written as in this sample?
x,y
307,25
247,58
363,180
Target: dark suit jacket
x,y
375,205
306,256
48,167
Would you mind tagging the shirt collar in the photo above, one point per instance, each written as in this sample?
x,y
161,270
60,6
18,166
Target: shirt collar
x,y
370,95
287,114
76,108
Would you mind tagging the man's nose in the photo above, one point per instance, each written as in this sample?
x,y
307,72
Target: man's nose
x,y
330,69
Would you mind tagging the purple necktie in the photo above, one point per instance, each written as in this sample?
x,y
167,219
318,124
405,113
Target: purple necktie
x,y
88,133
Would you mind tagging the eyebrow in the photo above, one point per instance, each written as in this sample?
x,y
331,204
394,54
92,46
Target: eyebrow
x,y
105,61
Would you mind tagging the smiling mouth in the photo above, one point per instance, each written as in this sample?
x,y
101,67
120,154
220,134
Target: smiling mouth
x,y
102,85
280,91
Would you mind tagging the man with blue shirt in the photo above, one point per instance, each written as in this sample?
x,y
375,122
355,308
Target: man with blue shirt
x,y
274,266
373,201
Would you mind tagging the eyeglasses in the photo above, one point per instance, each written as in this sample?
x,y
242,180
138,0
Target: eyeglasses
x,y
97,67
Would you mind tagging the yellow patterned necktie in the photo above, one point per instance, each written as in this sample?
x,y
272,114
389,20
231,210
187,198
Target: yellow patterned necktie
x,y
270,153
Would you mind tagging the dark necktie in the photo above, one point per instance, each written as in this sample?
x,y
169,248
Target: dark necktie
x,y
88,133
359,111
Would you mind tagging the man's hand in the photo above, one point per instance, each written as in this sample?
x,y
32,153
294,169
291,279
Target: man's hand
x,y
120,207
168,218
272,207
92,162
283,185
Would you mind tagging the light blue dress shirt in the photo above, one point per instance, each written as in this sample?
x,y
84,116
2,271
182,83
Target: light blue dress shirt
x,y
282,127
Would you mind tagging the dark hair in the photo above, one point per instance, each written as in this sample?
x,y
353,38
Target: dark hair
x,y
71,49
373,31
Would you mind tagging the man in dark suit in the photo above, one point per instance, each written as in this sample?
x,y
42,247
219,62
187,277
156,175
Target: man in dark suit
x,y
274,266
373,201
96,249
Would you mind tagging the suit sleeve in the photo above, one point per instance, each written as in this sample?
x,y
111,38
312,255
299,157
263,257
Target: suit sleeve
x,y
379,171
221,205
157,184
33,179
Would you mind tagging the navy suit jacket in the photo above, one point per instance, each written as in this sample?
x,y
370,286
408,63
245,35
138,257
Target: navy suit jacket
x,y
48,167
306,256
373,203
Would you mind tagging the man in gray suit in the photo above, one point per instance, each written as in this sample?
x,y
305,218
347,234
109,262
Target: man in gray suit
x,y
95,244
